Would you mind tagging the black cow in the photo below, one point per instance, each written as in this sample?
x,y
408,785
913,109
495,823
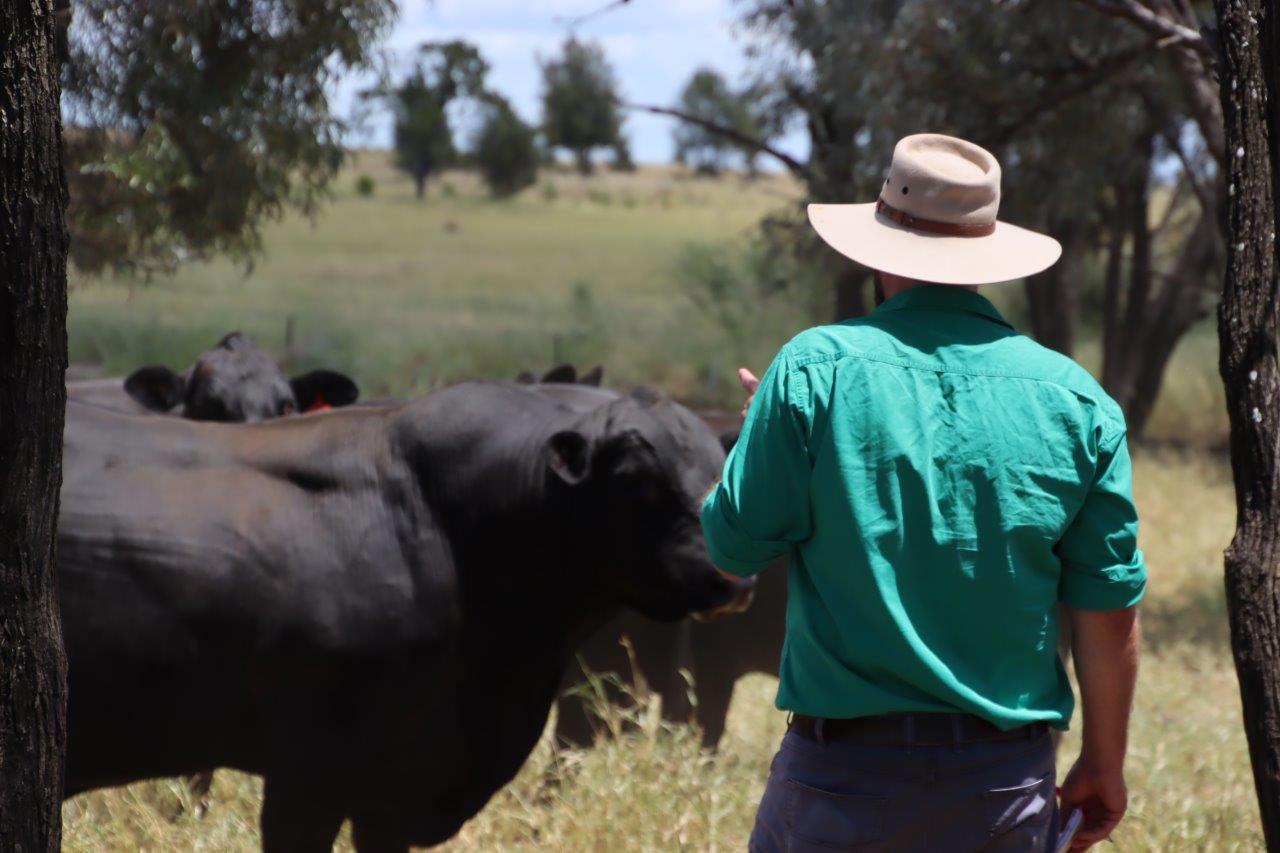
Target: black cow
x,y
234,381
563,374
371,608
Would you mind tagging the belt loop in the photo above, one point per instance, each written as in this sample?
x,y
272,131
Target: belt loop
x,y
818,726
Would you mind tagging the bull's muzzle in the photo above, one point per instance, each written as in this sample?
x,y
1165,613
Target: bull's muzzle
x,y
742,592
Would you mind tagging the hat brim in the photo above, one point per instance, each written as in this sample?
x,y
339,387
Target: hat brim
x,y
859,233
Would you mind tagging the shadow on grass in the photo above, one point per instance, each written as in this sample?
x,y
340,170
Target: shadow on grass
x,y
1197,616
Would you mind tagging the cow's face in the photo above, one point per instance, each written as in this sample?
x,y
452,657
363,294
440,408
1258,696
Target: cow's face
x,y
236,381
638,516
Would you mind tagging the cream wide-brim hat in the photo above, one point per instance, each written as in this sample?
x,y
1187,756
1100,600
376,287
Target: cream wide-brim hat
x,y
935,220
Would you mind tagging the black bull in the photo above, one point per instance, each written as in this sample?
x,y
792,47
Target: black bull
x,y
715,652
371,608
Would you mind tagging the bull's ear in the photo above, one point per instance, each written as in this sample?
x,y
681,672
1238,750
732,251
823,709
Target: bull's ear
x,y
592,377
628,451
321,388
156,387
561,373
729,439
569,456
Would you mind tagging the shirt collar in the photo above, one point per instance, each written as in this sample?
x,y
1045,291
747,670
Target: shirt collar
x,y
938,297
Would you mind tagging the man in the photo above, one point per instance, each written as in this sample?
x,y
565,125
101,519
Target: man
x,y
941,484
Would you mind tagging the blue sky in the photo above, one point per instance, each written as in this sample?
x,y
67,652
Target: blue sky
x,y
654,45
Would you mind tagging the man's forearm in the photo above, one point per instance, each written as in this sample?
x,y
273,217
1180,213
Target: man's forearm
x,y
1105,646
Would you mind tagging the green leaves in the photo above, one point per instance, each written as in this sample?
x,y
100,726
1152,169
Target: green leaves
x,y
190,123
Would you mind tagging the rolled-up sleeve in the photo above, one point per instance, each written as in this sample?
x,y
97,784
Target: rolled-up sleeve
x,y
1102,568
760,508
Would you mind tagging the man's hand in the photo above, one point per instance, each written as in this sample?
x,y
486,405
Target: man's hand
x,y
749,384
1101,795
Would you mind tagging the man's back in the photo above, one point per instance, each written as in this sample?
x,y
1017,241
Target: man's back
x,y
940,481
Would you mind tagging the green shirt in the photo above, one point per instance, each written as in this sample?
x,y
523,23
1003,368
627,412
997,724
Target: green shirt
x,y
940,483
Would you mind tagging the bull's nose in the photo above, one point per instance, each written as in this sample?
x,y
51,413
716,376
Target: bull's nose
x,y
742,592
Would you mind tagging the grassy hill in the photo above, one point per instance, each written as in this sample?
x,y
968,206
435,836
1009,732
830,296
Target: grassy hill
x,y
409,294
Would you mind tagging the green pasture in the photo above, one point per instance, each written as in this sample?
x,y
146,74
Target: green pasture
x,y
407,296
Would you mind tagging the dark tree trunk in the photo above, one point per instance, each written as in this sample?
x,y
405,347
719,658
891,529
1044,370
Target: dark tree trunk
x,y
1053,297
420,185
582,157
1250,90
851,291
33,360
1111,287
1142,323
1180,306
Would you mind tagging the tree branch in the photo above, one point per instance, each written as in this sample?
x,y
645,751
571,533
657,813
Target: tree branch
x,y
1202,193
574,20
800,170
1101,71
1169,32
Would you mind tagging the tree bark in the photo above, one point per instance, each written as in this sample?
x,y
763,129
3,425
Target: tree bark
x,y
1053,297
33,360
582,157
1180,305
419,186
1112,328
1250,92
851,287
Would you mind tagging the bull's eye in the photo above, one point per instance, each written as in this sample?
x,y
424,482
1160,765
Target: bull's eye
x,y
288,407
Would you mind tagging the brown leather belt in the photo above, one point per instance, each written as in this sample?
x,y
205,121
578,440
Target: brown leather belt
x,y
910,730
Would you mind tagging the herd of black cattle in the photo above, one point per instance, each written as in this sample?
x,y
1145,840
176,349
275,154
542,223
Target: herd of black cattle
x,y
375,605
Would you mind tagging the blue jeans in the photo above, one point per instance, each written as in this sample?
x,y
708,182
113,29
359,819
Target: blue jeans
x,y
965,797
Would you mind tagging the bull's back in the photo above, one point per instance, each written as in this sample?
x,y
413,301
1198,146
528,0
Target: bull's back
x,y
211,574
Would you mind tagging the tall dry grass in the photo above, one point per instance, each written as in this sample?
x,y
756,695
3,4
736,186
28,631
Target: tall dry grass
x,y
656,790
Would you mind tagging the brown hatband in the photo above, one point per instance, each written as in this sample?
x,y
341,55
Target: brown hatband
x,y
951,229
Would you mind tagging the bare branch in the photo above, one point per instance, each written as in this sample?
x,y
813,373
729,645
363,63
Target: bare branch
x,y
1100,71
800,170
1174,201
1168,31
575,20
1203,195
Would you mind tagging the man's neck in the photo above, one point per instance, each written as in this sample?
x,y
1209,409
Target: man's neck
x,y
889,285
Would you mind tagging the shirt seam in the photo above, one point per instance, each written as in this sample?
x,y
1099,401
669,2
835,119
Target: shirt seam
x,y
804,361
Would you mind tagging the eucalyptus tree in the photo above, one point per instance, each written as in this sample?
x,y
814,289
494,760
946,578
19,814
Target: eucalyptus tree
x,y
190,123
33,350
580,109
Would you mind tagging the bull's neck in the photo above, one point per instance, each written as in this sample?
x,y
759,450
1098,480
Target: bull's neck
x,y
522,560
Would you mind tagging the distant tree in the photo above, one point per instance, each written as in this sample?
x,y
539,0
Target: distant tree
x,y
506,149
33,350
423,138
1091,129
189,123
709,97
622,161
1088,114
580,102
